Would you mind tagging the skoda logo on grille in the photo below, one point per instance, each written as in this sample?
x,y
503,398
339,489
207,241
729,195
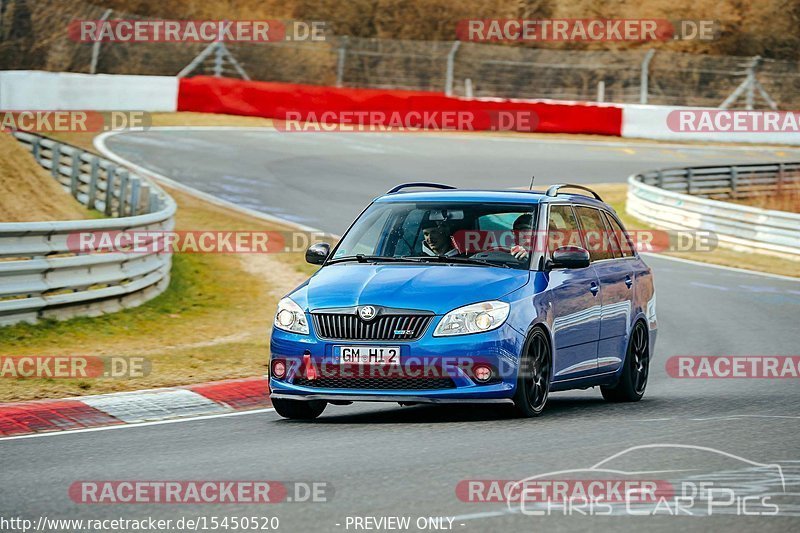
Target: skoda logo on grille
x,y
367,313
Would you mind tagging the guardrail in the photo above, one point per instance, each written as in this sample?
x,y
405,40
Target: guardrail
x,y
41,274
683,199
736,181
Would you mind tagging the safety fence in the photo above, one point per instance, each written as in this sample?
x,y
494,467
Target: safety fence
x,y
688,199
42,275
33,36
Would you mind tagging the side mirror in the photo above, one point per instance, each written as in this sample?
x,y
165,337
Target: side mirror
x,y
570,257
318,253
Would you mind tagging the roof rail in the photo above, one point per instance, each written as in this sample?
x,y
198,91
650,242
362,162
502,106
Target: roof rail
x,y
419,184
553,191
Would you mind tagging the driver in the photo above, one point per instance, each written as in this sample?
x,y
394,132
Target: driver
x,y
437,239
523,223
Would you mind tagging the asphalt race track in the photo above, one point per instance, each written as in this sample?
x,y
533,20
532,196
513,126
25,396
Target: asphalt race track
x,y
324,179
386,460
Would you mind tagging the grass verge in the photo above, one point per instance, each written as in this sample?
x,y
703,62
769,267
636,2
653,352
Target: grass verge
x,y
211,323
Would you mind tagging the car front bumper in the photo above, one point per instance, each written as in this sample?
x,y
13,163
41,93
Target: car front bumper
x,y
452,357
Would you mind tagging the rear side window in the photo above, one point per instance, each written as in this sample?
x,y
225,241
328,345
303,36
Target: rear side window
x,y
621,235
596,236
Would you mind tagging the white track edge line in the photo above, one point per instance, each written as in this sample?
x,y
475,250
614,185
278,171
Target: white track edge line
x,y
137,424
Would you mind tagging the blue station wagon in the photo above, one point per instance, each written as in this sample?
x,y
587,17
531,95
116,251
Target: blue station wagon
x,y
447,295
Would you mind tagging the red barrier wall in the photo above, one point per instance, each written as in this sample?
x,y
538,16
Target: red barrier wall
x,y
274,100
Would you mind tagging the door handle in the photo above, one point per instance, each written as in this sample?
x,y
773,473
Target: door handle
x,y
628,281
594,288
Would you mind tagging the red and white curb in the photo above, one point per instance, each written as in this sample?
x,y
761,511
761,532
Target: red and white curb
x,y
85,412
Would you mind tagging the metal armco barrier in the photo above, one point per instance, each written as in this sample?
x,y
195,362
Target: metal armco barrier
x,y
682,199
40,274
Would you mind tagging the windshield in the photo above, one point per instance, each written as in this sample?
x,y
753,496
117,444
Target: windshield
x,y
463,233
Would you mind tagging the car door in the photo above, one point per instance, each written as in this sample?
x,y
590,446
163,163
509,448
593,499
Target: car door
x,y
615,273
575,302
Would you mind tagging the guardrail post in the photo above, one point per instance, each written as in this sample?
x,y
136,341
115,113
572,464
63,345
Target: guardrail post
x,y
451,62
55,160
123,192
75,173
340,61
93,174
689,176
734,182
111,172
779,184
145,198
153,203
601,91
645,75
660,178
96,45
135,188
36,150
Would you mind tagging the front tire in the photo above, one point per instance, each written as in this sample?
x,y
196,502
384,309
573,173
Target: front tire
x,y
533,379
633,381
299,409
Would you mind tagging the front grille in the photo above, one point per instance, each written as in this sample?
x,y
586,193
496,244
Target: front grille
x,y
376,383
388,327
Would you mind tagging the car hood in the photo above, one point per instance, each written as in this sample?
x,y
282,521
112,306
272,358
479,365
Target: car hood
x,y
437,288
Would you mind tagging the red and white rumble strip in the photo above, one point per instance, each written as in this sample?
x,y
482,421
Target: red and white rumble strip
x,y
133,407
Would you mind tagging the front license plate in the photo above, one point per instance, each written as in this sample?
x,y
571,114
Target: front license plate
x,y
369,355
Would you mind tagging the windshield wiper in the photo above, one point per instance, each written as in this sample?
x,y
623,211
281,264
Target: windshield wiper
x,y
361,258
460,260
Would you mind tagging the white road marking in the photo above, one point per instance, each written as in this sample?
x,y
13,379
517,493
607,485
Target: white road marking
x,y
726,417
138,425
709,286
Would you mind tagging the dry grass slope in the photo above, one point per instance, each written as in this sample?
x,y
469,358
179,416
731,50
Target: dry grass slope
x,y
27,191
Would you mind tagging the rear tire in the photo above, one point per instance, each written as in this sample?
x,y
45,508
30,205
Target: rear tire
x,y
299,409
633,381
533,379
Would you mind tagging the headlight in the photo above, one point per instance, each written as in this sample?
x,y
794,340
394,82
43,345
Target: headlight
x,y
290,317
475,318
